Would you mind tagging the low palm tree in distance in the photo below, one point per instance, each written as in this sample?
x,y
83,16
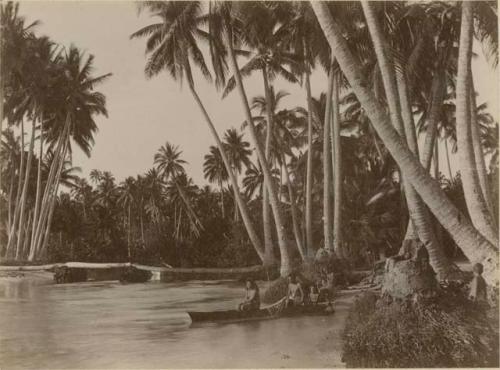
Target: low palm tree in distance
x,y
215,172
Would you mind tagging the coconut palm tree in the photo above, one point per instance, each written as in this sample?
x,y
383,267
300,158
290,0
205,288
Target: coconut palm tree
x,y
418,212
476,203
126,198
229,21
172,47
239,153
215,172
262,31
474,245
77,103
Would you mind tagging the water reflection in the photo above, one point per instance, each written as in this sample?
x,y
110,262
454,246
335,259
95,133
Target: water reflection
x,y
110,325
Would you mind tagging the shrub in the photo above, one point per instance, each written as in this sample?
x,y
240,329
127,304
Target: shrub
x,y
449,331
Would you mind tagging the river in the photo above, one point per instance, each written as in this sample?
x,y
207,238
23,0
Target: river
x,y
113,325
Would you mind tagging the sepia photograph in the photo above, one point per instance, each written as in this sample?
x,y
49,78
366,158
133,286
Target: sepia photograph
x,y
249,184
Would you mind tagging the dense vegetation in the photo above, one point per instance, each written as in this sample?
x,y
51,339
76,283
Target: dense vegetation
x,y
336,173
450,331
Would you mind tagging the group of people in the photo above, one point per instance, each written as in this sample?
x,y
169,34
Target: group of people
x,y
298,292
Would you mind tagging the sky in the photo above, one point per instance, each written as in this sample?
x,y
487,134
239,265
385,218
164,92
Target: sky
x,y
145,114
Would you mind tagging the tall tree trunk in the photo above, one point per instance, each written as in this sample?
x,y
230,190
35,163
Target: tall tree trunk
x,y
222,199
236,213
309,179
438,91
11,194
476,204
327,176
245,215
46,235
141,220
129,254
26,236
51,188
478,150
38,185
436,160
17,208
266,209
24,194
338,177
450,173
293,207
401,116
474,245
61,147
283,242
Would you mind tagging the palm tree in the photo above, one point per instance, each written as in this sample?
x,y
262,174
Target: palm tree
x,y
474,245
172,47
239,153
126,198
263,33
215,172
75,104
476,204
406,130
283,241
95,176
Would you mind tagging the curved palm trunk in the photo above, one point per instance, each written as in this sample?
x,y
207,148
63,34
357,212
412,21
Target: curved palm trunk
x,y
475,246
45,239
11,194
236,212
337,173
51,187
450,173
437,97
17,209
402,119
293,207
283,242
245,215
269,259
222,199
473,193
38,186
478,150
327,178
438,90
309,175
46,218
436,160
24,194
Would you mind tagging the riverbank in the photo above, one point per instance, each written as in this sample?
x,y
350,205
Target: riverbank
x,y
113,325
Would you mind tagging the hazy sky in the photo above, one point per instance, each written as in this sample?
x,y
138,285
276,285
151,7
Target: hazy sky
x,y
144,114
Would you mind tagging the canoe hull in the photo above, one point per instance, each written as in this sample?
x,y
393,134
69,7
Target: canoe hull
x,y
262,314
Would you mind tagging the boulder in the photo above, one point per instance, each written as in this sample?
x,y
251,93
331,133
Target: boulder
x,y
406,278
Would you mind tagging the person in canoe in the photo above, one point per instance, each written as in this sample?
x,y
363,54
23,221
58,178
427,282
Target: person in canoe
x,y
295,293
252,297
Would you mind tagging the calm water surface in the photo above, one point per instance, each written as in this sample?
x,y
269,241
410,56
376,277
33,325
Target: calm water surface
x,y
111,325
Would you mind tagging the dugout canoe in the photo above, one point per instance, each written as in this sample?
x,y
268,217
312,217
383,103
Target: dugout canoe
x,y
262,314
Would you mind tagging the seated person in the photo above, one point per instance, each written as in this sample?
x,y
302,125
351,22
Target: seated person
x,y
478,292
252,297
314,295
325,287
295,294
